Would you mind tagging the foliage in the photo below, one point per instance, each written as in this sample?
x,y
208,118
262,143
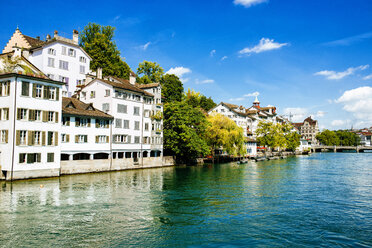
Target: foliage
x,y
158,116
98,42
172,88
9,65
328,138
196,99
224,132
277,135
340,137
184,131
151,72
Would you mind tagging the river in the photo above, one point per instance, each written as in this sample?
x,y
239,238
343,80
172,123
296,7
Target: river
x,y
319,200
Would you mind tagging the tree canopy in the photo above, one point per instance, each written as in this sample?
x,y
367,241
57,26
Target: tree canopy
x,y
340,137
98,42
172,88
149,72
196,99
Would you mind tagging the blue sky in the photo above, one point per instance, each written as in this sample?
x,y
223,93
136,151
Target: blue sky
x,y
304,57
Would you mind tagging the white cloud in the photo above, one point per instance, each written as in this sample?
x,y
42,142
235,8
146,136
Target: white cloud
x,y
252,94
179,72
223,58
144,47
206,81
212,53
368,77
320,113
350,40
333,75
248,3
296,114
263,46
239,99
358,101
338,123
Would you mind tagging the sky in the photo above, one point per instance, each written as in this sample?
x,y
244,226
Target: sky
x,y
306,58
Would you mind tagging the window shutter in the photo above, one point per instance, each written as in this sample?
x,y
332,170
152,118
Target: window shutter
x,y
77,121
56,138
89,122
18,114
97,123
6,136
43,138
38,157
67,138
0,114
97,139
33,90
30,158
107,124
76,138
45,116
1,89
56,113
8,89
18,137
57,94
7,113
85,138
31,115
46,92
29,141
107,139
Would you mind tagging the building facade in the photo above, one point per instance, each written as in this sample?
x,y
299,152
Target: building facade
x,y
308,130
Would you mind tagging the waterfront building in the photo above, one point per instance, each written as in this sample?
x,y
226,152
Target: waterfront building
x,y
308,130
60,58
30,111
137,110
365,138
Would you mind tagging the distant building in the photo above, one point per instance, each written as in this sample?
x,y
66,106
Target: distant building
x,y
365,138
61,59
308,130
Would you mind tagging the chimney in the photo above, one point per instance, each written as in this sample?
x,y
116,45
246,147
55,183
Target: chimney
x,y
55,33
38,37
99,73
48,37
132,78
75,36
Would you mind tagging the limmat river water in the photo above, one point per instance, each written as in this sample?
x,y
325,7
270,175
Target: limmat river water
x,y
318,200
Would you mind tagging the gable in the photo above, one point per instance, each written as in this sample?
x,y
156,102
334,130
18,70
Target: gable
x,y
18,40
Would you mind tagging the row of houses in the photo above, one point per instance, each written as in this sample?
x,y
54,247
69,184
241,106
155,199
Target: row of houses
x,y
59,118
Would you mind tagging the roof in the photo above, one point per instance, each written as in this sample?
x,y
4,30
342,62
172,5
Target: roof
x,y
133,74
33,41
310,120
73,106
229,105
147,86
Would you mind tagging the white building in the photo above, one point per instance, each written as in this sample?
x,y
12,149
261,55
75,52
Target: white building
x,y
85,132
61,59
30,106
137,127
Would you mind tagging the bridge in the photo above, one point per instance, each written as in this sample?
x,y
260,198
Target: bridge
x,y
341,148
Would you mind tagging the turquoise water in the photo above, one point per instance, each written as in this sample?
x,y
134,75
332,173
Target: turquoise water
x,y
319,200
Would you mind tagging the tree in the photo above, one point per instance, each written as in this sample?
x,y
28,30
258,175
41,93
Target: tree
x,y
98,42
196,99
225,133
328,138
151,72
184,131
292,140
348,138
172,88
207,103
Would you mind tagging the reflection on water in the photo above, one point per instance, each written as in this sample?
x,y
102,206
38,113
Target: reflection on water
x,y
324,199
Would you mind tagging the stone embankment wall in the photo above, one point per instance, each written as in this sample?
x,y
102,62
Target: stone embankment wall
x,y
100,165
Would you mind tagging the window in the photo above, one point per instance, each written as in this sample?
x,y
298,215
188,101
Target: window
x,y
136,111
22,137
82,122
50,138
122,108
51,51
22,114
50,157
63,137
63,65
4,114
222,110
146,127
126,124
39,91
81,138
37,138
33,158
52,93
107,92
82,59
83,95
105,107
137,98
118,123
4,136
136,139
101,123
121,139
146,113
22,158
50,116
136,125
65,121
101,139
51,62
37,115
4,88
71,52
25,89
92,94
63,50
64,79
82,69
51,76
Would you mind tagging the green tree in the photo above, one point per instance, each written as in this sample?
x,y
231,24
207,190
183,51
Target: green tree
x,y
184,131
207,103
348,138
172,88
226,134
328,138
149,72
196,99
98,42
292,140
